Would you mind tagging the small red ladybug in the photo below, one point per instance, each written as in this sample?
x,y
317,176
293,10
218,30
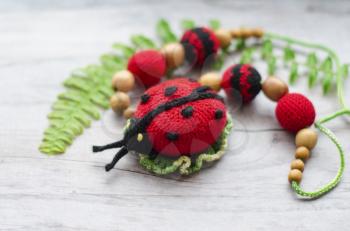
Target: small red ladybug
x,y
174,118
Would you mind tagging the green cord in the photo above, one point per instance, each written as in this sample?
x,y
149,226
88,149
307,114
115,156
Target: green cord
x,y
334,182
344,111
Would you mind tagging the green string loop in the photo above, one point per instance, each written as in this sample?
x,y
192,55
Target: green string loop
x,y
335,181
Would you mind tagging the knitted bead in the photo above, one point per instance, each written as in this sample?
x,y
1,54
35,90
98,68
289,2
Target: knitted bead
x,y
200,45
294,112
148,65
241,81
182,130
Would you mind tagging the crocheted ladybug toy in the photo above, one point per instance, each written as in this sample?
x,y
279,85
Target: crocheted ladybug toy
x,y
174,118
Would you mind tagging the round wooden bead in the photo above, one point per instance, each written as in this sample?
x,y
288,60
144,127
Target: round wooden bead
x,y
119,101
224,37
174,54
211,80
123,81
302,153
128,113
236,33
274,88
306,137
295,175
257,32
297,164
246,33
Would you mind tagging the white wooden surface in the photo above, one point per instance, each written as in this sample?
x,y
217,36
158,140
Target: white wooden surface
x,y
42,41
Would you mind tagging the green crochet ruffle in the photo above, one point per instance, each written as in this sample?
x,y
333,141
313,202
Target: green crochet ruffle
x,y
184,164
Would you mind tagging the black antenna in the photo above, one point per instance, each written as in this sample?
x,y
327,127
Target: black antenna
x,y
122,152
117,144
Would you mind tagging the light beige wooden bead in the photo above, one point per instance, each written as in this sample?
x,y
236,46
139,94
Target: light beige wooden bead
x,y
246,33
224,37
123,81
174,54
258,32
128,113
295,175
297,164
211,80
236,33
302,153
306,137
274,88
119,101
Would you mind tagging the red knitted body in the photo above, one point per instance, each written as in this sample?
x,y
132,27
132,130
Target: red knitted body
x,y
149,66
295,112
200,44
241,81
196,133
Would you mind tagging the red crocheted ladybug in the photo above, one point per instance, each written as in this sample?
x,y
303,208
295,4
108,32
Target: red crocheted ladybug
x,y
176,117
200,45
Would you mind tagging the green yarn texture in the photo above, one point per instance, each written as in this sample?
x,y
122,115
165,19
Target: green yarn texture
x,y
184,164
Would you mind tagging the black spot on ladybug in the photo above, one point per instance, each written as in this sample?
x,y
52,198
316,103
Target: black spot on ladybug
x,y
187,112
219,114
172,136
144,98
170,90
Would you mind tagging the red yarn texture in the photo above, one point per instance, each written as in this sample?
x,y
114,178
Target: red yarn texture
x,y
241,81
200,44
196,133
149,66
295,112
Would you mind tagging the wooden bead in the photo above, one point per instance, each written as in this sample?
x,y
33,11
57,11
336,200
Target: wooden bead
x,y
274,88
128,113
174,54
119,101
236,33
297,164
123,81
295,175
211,80
224,37
302,153
306,137
246,33
257,32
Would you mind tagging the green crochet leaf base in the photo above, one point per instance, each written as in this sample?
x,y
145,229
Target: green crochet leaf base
x,y
184,164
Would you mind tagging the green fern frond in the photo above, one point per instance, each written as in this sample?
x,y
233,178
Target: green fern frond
x,y
88,90
187,24
164,32
214,24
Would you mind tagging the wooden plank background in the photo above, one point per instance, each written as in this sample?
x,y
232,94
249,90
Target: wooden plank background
x,y
42,41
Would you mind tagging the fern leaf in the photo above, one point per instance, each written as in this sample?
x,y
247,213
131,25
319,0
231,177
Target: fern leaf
x,y
271,65
142,42
313,73
293,73
164,32
214,24
187,24
88,90
311,60
125,50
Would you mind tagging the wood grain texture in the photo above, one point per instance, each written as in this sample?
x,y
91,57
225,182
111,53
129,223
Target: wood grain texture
x,y
42,41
